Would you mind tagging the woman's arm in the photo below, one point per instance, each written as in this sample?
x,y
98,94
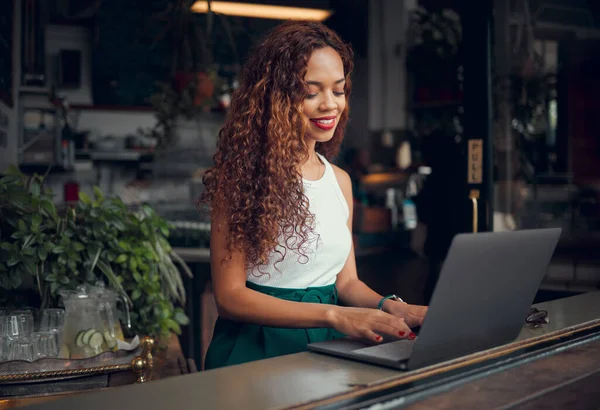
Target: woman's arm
x,y
354,292
235,301
351,290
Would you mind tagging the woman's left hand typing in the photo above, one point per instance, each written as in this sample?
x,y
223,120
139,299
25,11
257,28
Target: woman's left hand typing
x,y
413,315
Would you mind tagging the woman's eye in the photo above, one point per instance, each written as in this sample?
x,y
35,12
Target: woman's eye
x,y
339,93
311,95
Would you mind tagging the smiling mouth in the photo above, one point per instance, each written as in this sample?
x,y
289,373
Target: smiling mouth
x,y
325,123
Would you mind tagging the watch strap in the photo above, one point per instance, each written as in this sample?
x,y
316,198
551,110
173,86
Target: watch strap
x,y
391,297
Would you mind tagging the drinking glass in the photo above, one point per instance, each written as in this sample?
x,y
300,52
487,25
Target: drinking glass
x,y
4,339
25,310
3,322
52,320
46,343
22,349
20,325
4,347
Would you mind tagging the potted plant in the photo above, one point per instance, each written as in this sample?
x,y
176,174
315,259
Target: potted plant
x,y
194,85
45,250
433,58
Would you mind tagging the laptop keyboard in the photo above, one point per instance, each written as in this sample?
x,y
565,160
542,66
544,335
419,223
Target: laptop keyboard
x,y
399,350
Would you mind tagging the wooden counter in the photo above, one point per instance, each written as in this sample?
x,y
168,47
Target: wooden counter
x,y
308,380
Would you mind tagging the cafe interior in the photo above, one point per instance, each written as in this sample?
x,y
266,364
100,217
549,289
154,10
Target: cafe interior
x,y
472,118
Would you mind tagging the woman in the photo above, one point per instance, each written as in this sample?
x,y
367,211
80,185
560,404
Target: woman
x,y
281,242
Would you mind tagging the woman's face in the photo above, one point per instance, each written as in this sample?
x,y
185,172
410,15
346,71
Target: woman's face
x,y
325,101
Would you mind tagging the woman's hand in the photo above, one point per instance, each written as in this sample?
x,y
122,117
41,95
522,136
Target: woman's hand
x,y
368,324
413,315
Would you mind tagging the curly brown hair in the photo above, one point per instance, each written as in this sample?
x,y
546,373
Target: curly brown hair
x,y
255,183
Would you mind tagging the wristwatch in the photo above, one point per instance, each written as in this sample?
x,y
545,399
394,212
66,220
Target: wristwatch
x,y
390,297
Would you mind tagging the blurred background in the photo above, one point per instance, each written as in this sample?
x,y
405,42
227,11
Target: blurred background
x,y
466,116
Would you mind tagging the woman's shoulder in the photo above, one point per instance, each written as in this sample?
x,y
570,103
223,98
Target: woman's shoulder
x,y
340,174
343,180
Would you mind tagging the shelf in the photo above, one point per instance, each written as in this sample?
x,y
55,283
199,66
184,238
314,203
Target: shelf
x,y
117,156
122,108
27,89
40,168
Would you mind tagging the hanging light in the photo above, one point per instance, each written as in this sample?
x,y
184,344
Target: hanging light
x,y
264,11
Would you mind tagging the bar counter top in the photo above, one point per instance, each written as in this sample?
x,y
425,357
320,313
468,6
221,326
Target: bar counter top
x,y
309,380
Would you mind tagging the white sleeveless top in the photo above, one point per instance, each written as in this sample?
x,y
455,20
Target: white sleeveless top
x,y
327,248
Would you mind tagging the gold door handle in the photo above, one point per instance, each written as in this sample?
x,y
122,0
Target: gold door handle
x,y
474,197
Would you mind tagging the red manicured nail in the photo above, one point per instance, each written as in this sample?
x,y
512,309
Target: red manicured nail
x,y
412,336
378,338
401,334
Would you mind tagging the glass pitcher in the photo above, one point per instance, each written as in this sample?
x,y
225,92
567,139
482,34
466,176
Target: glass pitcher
x,y
112,298
89,327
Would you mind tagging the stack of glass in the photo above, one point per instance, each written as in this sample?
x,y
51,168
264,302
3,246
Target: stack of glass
x,y
22,337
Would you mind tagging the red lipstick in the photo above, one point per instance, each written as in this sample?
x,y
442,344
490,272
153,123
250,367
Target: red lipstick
x,y
325,123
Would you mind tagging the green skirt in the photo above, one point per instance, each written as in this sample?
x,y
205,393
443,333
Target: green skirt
x,y
235,343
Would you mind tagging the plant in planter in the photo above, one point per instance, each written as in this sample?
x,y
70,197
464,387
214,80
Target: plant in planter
x,y
98,239
194,85
433,58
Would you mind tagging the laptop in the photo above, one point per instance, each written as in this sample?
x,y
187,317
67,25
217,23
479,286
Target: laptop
x,y
481,300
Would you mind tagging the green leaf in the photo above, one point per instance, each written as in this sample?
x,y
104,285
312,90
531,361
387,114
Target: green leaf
x,y
119,225
180,317
49,207
94,255
148,210
35,189
136,294
121,259
12,261
79,247
98,194
83,197
42,253
72,214
174,326
137,277
54,287
36,221
48,246
27,241
186,269
5,282
16,281
124,245
22,225
58,250
112,278
62,259
30,266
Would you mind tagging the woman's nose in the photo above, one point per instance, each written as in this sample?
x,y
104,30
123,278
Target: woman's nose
x,y
328,103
